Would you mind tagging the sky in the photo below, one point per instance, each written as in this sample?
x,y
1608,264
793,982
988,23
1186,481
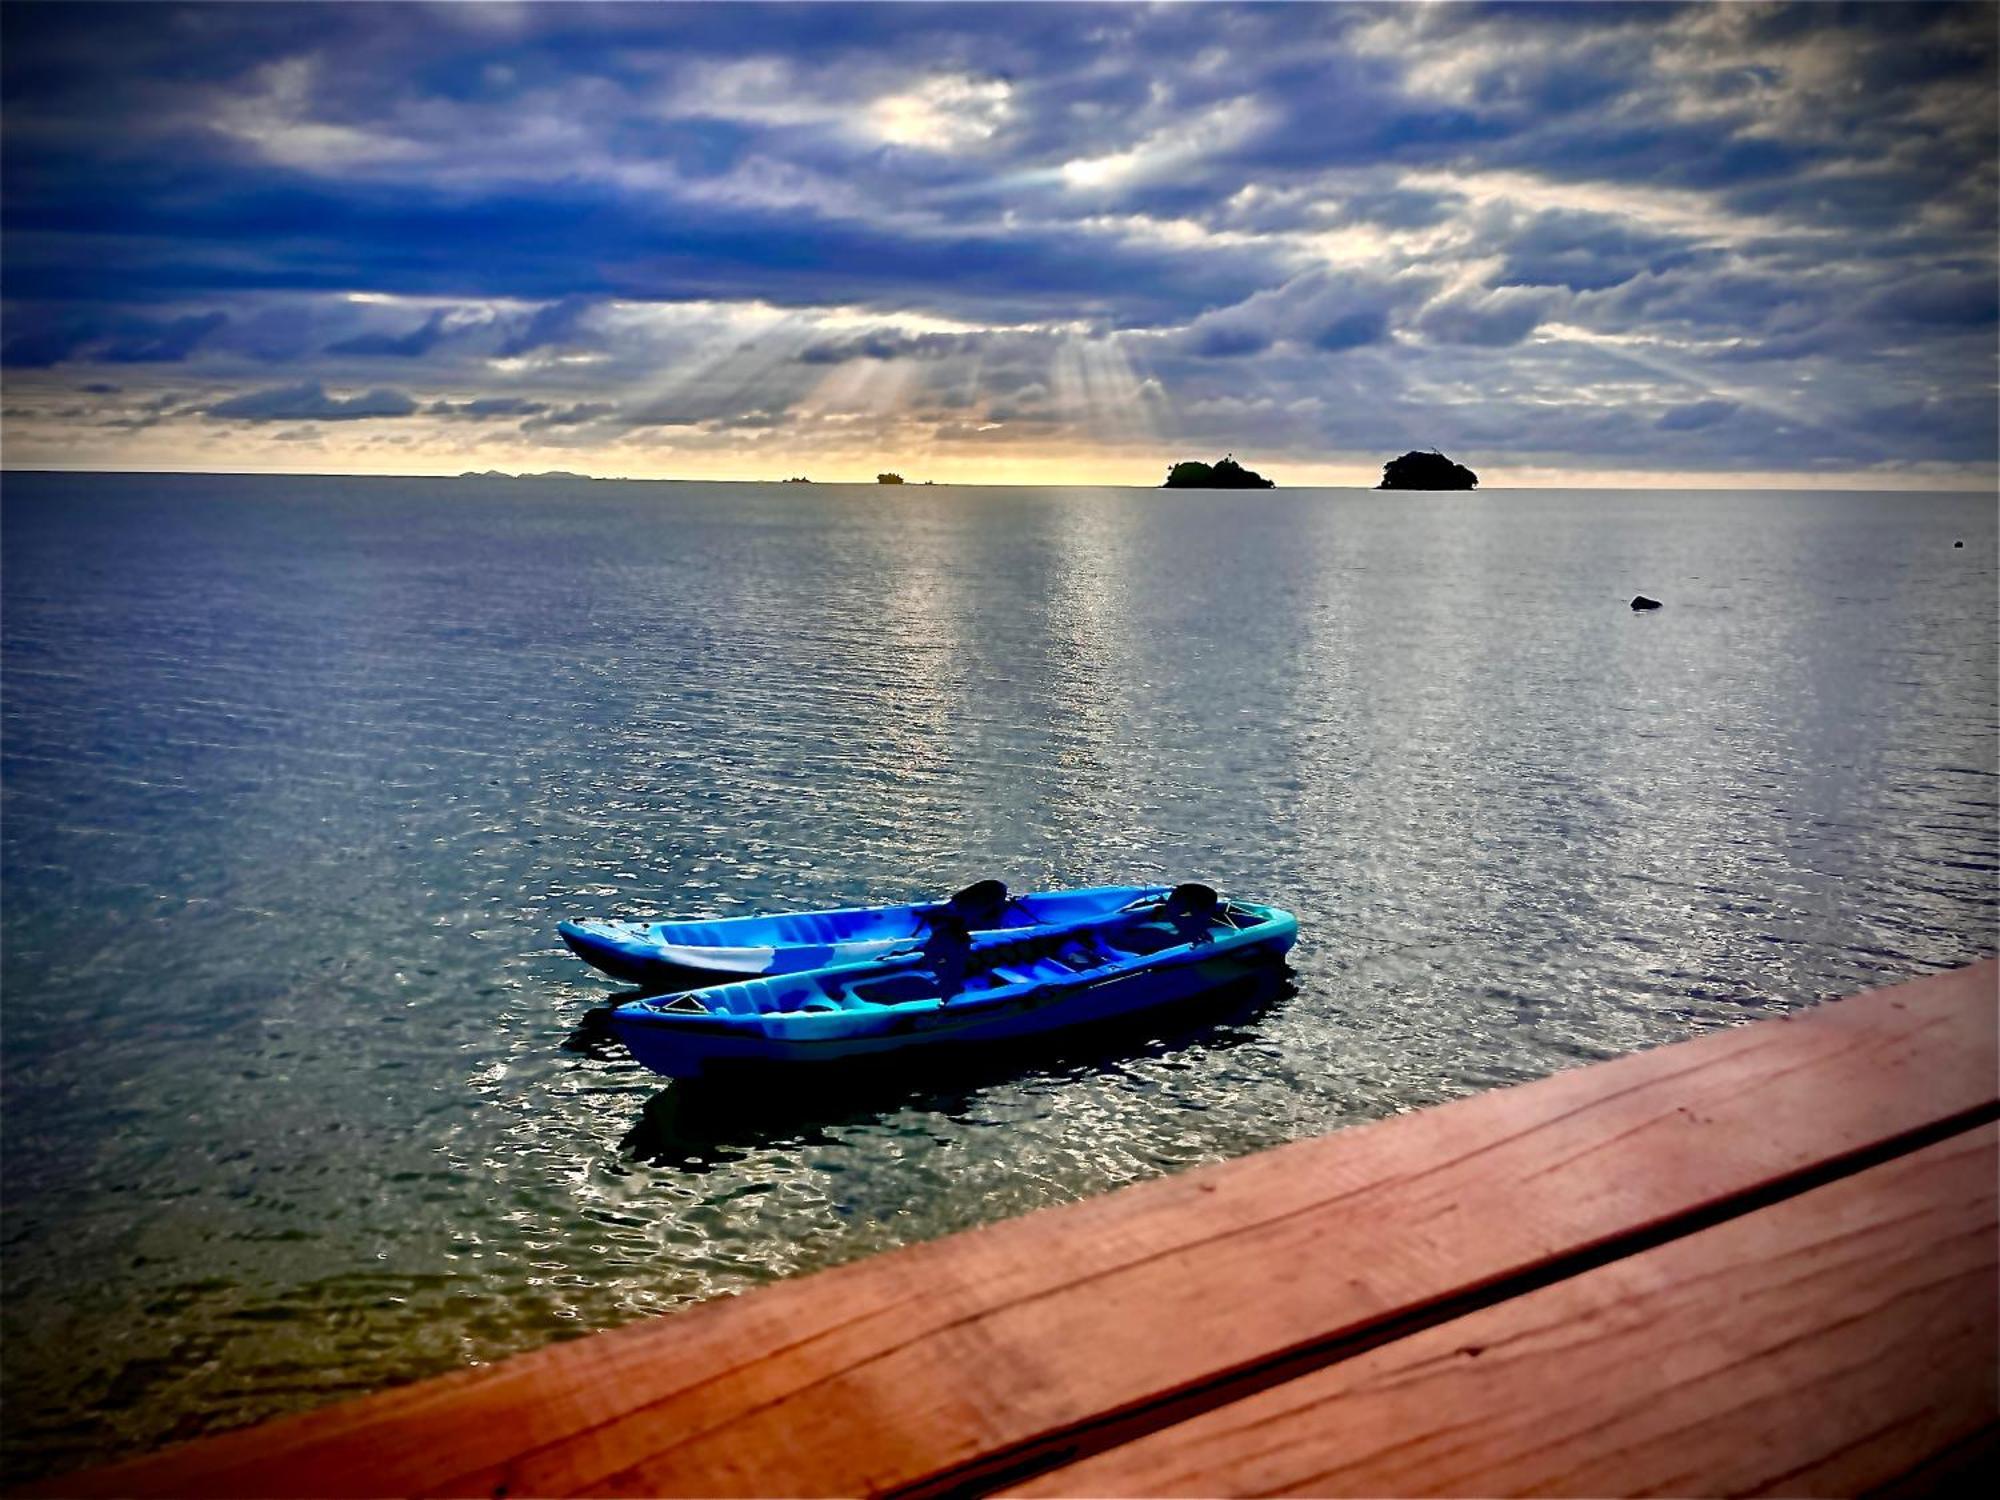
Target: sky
x,y
1650,244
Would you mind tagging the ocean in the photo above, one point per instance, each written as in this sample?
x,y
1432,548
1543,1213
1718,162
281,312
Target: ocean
x,y
302,1095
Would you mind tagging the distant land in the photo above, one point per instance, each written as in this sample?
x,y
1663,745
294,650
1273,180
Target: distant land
x,y
503,474
1224,474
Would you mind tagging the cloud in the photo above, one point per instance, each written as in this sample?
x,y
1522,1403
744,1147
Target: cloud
x,y
582,413
952,112
1493,317
309,403
1586,251
1219,336
885,344
485,408
418,342
55,336
1167,151
739,407
40,347
1630,234
1947,298
1694,415
164,345
560,324
1322,310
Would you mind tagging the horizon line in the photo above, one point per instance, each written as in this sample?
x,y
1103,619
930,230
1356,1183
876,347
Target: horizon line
x,y
1679,483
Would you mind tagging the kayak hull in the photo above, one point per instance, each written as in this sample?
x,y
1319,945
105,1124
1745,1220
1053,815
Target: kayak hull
x,y
685,954
686,1045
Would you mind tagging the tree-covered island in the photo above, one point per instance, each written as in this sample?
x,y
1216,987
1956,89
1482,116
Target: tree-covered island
x,y
1426,471
1226,474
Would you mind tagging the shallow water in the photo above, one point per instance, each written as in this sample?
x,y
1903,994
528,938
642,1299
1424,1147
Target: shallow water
x,y
300,773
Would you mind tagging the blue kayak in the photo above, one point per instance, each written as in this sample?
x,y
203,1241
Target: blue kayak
x,y
957,992
695,952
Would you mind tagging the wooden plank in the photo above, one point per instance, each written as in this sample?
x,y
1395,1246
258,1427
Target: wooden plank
x,y
1825,1345
1964,1469
1025,1343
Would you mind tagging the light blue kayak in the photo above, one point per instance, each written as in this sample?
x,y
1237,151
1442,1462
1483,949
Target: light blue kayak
x,y
959,992
686,953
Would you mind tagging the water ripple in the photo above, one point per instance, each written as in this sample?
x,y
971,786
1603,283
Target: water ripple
x,y
302,1098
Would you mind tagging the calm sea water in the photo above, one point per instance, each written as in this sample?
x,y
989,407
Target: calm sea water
x,y
299,775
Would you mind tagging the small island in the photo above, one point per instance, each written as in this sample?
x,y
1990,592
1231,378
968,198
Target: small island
x,y
888,478
503,474
1225,474
1426,471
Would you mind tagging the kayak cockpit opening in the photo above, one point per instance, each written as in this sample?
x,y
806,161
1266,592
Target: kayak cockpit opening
x,y
1192,910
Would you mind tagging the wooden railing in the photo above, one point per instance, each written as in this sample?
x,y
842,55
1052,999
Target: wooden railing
x,y
1761,1259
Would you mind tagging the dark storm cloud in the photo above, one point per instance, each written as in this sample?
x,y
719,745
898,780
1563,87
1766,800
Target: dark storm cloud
x,y
53,335
1679,199
48,341
309,403
565,241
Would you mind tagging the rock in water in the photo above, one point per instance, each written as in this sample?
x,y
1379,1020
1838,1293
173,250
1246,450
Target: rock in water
x,y
1640,601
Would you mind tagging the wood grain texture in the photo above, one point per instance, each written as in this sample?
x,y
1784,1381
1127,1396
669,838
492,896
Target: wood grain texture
x,y
1824,1345
1027,1342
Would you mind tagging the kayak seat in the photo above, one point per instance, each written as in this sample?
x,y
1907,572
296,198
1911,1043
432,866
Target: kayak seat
x,y
1143,942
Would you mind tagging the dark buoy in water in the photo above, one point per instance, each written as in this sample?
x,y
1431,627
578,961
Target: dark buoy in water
x,y
1640,601
1958,544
